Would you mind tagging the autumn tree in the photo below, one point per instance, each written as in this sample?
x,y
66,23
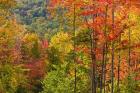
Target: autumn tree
x,y
11,74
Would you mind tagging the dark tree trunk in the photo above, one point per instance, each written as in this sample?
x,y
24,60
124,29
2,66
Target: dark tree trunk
x,y
75,68
119,61
93,55
104,55
112,54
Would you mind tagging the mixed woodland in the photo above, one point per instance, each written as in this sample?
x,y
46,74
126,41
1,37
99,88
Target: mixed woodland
x,y
69,46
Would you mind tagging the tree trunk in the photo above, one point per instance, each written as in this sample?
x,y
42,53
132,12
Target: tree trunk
x,y
112,54
104,53
119,61
75,68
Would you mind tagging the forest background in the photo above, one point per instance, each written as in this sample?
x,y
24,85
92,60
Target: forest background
x,y
69,46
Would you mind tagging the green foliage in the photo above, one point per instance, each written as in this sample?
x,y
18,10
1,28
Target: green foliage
x,y
35,50
60,78
23,46
130,84
39,26
30,46
53,58
7,4
57,81
59,49
83,37
11,78
60,81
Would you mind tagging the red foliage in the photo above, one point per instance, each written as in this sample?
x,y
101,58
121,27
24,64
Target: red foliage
x,y
98,11
114,30
106,1
44,44
36,69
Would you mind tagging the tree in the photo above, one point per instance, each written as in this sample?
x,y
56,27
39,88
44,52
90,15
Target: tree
x,y
12,75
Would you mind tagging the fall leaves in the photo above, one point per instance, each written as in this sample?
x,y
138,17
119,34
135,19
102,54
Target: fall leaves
x,y
72,46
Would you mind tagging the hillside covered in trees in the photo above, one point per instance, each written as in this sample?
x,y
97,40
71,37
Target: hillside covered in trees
x,y
69,46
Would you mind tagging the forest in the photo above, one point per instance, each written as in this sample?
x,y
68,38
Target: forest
x,y
69,46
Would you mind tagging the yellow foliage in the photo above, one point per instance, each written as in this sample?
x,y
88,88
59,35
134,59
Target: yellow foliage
x,y
62,41
7,3
30,37
10,31
133,17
